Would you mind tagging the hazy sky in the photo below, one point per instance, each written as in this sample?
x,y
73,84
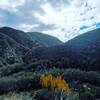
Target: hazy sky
x,y
64,19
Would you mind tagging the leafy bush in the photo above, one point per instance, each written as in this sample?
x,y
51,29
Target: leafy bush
x,y
55,83
19,82
82,76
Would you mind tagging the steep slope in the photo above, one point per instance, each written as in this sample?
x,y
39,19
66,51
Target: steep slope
x,y
89,39
44,39
30,39
81,52
10,51
15,43
87,49
20,37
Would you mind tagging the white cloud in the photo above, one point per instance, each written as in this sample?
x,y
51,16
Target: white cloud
x,y
70,18
94,3
57,33
11,5
62,18
27,27
78,3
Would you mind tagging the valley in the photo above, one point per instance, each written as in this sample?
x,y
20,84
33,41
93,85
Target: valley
x,y
26,56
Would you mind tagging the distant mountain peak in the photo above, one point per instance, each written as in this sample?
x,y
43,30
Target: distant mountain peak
x,y
30,39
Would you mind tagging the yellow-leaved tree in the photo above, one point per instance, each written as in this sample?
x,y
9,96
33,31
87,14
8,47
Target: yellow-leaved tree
x,y
55,83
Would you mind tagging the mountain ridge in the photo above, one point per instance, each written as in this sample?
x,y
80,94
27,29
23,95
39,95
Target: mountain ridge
x,y
20,43
45,39
26,39
76,53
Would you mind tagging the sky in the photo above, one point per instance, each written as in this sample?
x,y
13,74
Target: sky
x,y
64,19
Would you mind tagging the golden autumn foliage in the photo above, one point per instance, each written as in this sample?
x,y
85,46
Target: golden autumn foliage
x,y
54,83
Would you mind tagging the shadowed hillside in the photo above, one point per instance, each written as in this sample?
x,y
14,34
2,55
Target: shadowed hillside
x,y
14,44
81,52
44,39
30,39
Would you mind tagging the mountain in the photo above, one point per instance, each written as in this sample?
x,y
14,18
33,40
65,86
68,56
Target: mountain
x,y
20,37
30,39
85,41
14,44
22,66
86,48
44,39
81,52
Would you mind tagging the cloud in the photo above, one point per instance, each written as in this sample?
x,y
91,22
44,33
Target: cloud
x,y
11,5
27,27
78,3
81,14
64,19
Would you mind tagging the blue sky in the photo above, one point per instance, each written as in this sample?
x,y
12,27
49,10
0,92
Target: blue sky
x,y
63,19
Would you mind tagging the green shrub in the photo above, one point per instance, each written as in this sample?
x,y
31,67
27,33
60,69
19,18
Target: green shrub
x,y
16,96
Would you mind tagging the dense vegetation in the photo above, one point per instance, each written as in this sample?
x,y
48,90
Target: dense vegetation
x,y
81,52
31,67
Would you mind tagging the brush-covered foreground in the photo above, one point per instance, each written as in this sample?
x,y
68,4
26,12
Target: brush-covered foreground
x,y
49,84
